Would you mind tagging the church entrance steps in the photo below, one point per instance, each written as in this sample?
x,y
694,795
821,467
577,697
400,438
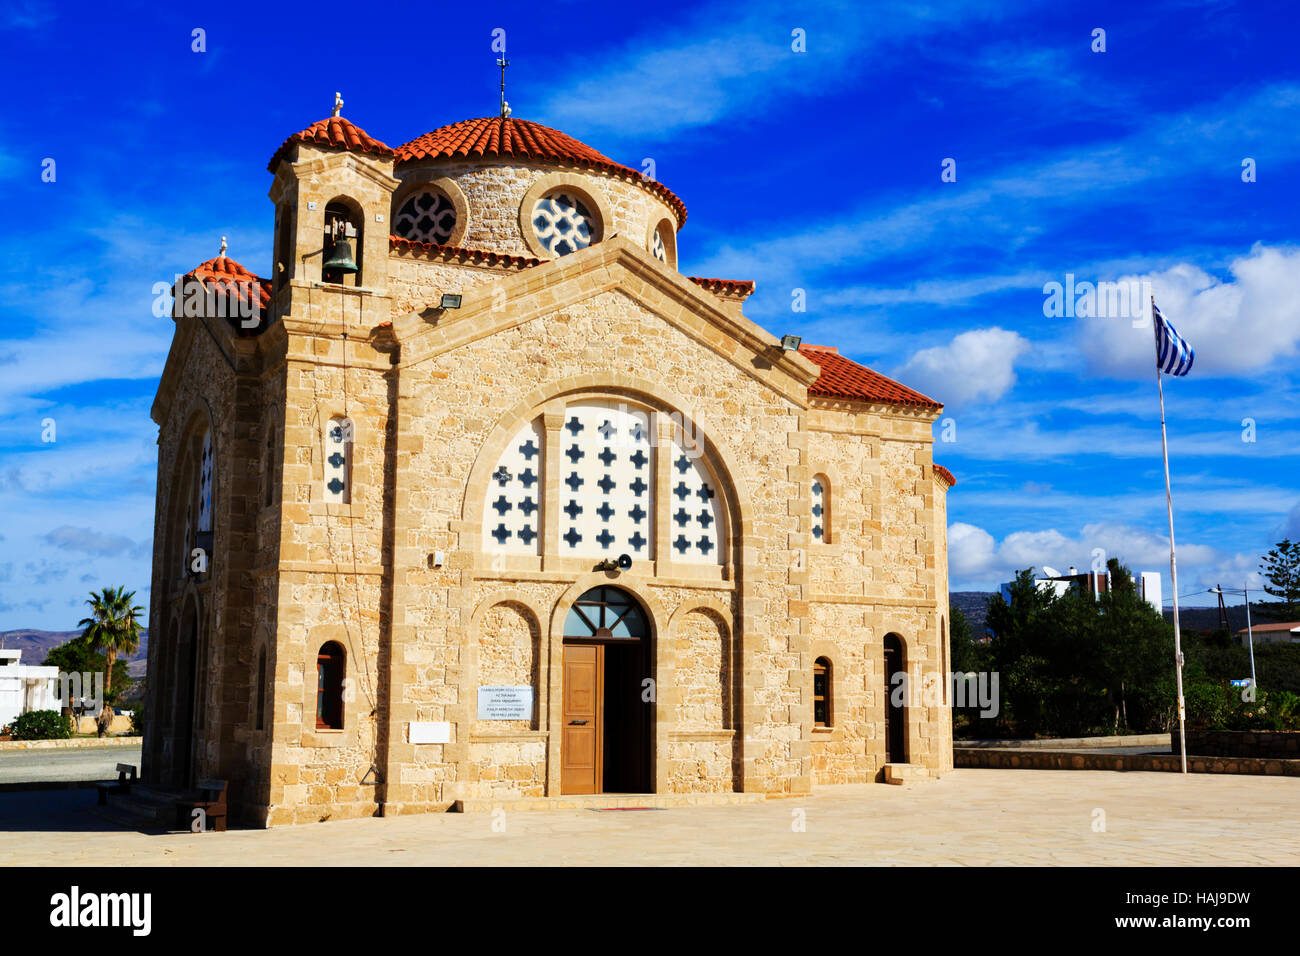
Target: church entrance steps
x,y
144,808
901,773
607,801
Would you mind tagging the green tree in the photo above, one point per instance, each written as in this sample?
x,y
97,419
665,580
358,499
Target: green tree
x,y
1281,569
1022,648
113,627
74,657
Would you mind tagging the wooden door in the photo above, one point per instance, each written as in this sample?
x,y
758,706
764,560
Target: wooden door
x,y
581,743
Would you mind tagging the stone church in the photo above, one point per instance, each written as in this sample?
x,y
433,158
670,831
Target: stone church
x,y
478,500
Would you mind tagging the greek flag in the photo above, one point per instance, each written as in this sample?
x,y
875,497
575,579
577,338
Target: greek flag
x,y
1173,354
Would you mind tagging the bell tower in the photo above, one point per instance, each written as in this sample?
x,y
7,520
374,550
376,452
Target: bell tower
x,y
332,192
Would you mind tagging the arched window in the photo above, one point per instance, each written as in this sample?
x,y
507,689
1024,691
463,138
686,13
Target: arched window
x,y
285,223
606,612
426,216
329,687
260,715
342,224
205,492
337,472
563,223
663,243
821,503
823,712
607,490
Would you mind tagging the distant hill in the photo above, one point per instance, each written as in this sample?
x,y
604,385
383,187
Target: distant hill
x,y
36,644
972,604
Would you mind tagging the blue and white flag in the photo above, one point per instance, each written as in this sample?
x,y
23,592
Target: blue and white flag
x,y
1173,354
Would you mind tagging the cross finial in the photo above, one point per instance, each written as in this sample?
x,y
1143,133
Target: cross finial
x,y
223,247
338,103
505,107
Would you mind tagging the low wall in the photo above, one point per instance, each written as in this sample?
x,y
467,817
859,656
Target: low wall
x,y
72,743
1061,760
1070,743
1241,743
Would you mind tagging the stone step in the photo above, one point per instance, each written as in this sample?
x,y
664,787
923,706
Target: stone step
x,y
606,801
901,773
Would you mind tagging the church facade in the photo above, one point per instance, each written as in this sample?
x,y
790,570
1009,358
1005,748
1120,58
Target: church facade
x,y
477,497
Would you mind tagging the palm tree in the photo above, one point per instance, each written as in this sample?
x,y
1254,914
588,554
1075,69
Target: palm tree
x,y
112,628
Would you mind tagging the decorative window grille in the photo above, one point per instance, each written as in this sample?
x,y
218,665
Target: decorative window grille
x,y
657,247
205,485
427,216
563,224
820,500
697,532
512,515
607,502
339,439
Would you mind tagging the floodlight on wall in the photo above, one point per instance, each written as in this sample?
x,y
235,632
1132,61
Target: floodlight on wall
x,y
449,301
790,343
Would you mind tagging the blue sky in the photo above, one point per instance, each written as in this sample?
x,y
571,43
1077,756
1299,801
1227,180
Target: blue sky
x,y
815,170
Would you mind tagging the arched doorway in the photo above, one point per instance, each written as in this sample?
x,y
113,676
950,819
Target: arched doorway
x,y
896,694
607,730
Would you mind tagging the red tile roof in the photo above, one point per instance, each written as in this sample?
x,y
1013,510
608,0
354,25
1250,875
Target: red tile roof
x,y
946,475
843,378
507,137
227,277
335,132
725,286
475,256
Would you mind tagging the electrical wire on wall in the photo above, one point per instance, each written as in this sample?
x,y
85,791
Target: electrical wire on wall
x,y
368,686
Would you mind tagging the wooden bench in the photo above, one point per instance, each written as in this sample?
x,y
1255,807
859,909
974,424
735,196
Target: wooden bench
x,y
126,775
211,799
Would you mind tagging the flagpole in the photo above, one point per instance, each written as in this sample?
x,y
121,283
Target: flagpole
x,y
1173,557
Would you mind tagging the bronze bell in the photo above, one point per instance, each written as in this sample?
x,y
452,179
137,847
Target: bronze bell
x,y
339,257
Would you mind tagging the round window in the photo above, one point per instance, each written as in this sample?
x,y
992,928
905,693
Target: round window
x,y
563,224
426,217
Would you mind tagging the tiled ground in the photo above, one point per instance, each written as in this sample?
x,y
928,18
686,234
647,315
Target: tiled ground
x,y
968,817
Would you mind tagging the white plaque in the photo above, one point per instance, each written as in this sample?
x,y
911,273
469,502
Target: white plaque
x,y
505,703
430,732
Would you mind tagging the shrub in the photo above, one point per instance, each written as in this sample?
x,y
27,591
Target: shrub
x,y
42,725
137,722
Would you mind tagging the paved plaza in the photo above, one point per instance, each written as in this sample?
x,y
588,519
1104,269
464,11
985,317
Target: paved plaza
x,y
970,817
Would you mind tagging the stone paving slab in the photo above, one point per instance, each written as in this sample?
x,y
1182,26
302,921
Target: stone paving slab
x,y
969,817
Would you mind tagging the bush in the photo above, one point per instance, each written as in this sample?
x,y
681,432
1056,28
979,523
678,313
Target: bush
x,y
137,722
42,725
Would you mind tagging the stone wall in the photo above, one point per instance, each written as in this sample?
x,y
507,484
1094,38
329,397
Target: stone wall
x,y
1240,743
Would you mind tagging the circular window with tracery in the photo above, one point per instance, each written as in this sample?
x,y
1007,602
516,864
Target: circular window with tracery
x,y
426,217
563,224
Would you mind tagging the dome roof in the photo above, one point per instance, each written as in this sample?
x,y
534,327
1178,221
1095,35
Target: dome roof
x,y
334,132
498,137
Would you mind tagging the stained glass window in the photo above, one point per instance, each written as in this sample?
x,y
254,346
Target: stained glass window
x,y
339,437
820,499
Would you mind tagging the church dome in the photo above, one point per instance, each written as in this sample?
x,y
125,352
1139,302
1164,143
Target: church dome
x,y
498,137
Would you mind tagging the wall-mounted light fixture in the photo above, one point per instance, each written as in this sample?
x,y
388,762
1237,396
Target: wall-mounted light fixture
x,y
790,343
449,301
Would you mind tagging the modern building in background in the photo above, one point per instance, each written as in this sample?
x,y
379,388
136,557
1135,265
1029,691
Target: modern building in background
x,y
25,687
1095,583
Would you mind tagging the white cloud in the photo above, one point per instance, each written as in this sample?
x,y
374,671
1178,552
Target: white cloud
x,y
979,364
1244,324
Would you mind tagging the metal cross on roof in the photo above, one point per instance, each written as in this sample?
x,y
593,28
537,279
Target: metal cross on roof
x,y
338,103
223,247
